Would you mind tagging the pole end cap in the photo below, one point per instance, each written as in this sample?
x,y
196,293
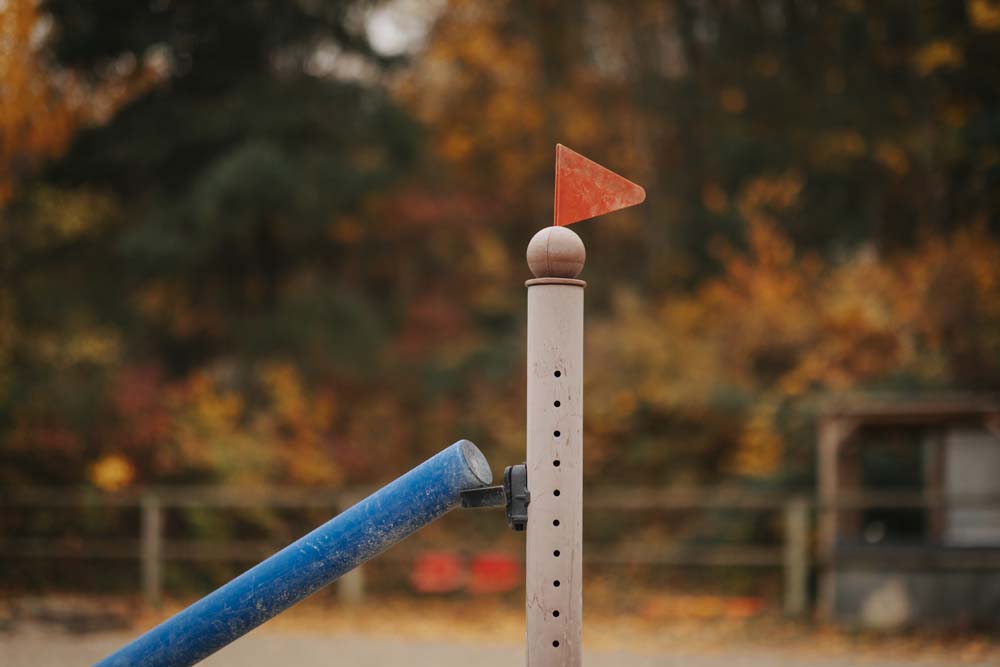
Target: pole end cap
x,y
556,252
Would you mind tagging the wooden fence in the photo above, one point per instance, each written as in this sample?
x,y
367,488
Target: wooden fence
x,y
152,548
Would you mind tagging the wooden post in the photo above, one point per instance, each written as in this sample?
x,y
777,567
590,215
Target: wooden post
x,y
934,484
796,557
554,557
152,549
351,586
833,476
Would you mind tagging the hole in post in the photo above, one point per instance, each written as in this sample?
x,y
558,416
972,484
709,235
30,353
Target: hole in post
x,y
556,463
557,403
556,492
558,374
556,433
555,613
556,583
556,553
555,522
556,643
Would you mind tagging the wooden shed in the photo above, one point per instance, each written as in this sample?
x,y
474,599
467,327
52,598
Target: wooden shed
x,y
909,511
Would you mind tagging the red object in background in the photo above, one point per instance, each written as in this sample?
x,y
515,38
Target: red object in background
x,y
494,573
438,572
585,189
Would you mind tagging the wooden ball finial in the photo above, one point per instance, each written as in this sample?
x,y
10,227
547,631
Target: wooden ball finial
x,y
556,252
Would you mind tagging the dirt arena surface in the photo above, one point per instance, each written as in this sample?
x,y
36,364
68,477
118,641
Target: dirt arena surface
x,y
459,633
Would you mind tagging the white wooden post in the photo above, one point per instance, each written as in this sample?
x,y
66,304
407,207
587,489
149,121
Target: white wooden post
x,y
152,549
554,557
351,586
796,557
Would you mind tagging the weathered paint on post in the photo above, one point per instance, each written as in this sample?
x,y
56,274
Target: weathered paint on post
x,y
300,569
554,556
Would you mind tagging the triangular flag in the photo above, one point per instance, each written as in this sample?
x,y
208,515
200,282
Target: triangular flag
x,y
585,189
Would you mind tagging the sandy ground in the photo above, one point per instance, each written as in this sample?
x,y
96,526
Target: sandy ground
x,y
457,634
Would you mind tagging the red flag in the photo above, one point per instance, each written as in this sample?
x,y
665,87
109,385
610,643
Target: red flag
x,y
585,189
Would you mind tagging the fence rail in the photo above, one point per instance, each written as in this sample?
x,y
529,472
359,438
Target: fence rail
x,y
793,556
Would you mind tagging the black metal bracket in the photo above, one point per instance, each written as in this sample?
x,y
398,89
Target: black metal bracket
x,y
515,484
513,495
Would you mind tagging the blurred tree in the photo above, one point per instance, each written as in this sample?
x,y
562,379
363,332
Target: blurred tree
x,y
216,220
260,269
885,112
237,173
810,135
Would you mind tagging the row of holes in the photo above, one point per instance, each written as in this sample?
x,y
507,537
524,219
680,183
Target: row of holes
x,y
555,554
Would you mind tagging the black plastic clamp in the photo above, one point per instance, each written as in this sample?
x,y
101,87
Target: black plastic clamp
x,y
513,495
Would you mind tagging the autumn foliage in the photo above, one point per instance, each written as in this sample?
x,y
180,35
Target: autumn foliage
x,y
289,258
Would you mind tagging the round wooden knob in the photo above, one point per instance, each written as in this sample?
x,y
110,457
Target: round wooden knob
x,y
556,252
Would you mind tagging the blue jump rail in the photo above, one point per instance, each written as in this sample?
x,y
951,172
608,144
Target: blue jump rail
x,y
356,535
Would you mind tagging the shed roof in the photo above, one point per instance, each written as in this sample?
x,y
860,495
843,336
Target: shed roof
x,y
924,409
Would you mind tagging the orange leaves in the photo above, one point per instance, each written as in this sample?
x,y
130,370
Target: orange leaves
x,y
939,54
984,14
477,89
35,121
777,326
41,108
769,193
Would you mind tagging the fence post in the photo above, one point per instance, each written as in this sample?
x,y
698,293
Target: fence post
x,y
151,548
351,586
796,556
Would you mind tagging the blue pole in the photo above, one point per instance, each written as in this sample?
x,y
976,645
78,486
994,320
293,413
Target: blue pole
x,y
300,569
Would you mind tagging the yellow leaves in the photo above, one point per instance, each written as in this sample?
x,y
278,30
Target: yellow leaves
x,y
285,436
83,344
214,405
61,216
937,55
207,432
298,425
283,386
111,473
761,445
984,14
770,191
